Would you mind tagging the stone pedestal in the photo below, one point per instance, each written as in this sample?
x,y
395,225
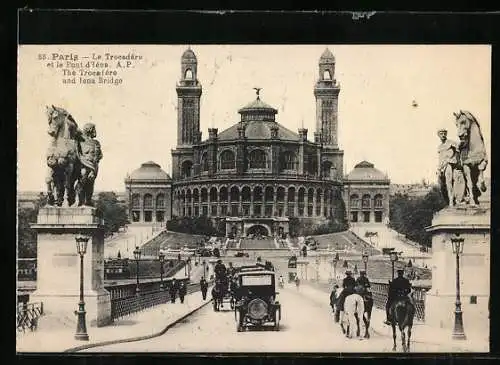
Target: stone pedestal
x,y
58,277
472,224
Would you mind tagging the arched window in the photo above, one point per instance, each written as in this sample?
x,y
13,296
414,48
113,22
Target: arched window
x,y
245,194
204,162
188,196
281,194
378,201
148,201
160,201
196,195
213,194
186,168
365,201
257,194
189,74
257,159
291,194
235,194
354,201
223,194
327,75
288,161
227,160
204,195
269,194
326,169
302,193
136,201
310,195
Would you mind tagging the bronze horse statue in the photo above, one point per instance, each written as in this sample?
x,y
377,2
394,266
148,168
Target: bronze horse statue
x,y
62,157
473,158
402,312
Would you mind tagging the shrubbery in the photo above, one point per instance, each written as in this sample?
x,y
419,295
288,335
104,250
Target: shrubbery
x,y
197,225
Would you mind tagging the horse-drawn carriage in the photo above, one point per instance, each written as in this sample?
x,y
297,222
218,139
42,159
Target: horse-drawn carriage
x,y
223,292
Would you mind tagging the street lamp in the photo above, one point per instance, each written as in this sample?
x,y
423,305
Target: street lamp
x,y
458,329
81,329
335,262
394,257
137,257
204,269
365,257
161,258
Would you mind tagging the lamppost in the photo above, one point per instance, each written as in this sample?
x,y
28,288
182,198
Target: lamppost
x,y
365,261
81,329
394,257
204,269
458,329
187,268
137,257
335,262
161,258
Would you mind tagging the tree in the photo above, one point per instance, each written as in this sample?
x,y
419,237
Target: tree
x,y
26,236
113,212
410,216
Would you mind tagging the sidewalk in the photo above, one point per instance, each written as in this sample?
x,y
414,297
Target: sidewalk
x,y
141,325
421,332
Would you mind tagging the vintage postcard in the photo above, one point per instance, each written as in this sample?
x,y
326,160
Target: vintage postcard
x,y
253,198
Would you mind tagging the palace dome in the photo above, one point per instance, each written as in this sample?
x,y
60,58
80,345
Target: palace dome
x,y
149,171
189,56
366,171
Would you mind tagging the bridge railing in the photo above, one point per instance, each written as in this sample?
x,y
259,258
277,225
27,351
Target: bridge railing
x,y
380,291
124,300
27,315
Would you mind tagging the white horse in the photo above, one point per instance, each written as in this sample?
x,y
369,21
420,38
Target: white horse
x,y
354,309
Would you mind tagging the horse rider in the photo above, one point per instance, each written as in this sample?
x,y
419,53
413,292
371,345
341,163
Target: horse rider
x,y
231,270
399,287
348,285
363,282
220,270
333,296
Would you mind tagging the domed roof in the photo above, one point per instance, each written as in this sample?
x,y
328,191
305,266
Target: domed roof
x,y
366,171
327,57
149,171
256,106
257,129
189,56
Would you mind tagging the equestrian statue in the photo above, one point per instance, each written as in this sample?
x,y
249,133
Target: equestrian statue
x,y
73,157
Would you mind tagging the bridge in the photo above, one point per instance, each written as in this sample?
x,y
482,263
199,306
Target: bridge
x,y
151,323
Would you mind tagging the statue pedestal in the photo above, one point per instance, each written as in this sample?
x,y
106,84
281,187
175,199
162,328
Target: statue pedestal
x,y
58,277
472,224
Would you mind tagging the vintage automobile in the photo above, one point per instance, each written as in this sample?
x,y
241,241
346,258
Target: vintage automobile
x,y
256,304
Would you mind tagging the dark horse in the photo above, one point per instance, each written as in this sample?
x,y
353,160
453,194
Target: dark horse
x,y
402,312
367,312
218,292
473,156
62,157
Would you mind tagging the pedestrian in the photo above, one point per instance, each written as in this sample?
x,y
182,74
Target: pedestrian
x,y
204,288
297,282
173,290
182,291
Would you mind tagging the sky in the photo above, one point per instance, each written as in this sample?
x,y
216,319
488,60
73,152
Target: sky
x,y
136,121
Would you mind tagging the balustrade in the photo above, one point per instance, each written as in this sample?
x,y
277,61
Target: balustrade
x,y
27,316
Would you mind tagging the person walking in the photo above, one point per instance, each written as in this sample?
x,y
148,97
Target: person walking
x,y
204,288
173,290
182,291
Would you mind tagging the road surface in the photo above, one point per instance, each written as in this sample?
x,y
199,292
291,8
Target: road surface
x,y
306,326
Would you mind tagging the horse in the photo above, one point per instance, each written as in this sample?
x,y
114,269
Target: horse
x,y
402,312
473,156
354,307
217,295
62,157
367,309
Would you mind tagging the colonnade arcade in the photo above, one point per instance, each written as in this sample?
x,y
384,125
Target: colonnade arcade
x,y
148,207
255,201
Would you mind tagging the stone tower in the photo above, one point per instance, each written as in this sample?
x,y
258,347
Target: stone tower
x,y
188,104
326,92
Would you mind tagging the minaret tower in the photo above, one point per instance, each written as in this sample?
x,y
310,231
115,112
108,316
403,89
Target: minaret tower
x,y
326,92
188,104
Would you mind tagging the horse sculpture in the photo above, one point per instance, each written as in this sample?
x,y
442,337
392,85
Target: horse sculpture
x,y
402,312
473,158
353,310
62,157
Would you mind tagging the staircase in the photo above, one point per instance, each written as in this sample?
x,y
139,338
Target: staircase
x,y
248,243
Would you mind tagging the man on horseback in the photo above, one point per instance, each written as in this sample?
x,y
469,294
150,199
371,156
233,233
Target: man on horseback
x,y
362,281
348,285
399,287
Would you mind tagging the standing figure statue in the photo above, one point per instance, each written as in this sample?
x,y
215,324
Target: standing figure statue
x,y
62,157
90,154
448,163
472,153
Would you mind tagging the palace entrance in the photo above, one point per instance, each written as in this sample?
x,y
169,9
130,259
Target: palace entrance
x,y
258,230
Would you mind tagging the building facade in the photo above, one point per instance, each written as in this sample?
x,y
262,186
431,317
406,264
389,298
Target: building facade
x,y
366,192
149,191
257,173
